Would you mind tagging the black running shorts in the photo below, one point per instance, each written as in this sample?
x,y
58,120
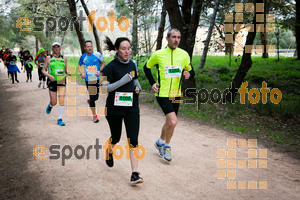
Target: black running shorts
x,y
52,85
167,106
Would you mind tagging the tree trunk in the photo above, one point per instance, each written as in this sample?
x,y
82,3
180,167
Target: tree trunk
x,y
187,23
135,29
297,27
207,41
193,26
97,40
73,11
36,45
161,27
263,35
246,62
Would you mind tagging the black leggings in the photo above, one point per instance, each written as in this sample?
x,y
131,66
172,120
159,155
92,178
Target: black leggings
x,y
41,75
29,74
93,97
14,76
132,125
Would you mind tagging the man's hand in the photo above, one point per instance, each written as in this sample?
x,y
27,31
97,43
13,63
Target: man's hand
x,y
98,73
137,90
69,73
186,74
51,78
82,75
155,88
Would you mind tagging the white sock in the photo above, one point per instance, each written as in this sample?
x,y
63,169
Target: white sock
x,y
44,82
60,111
160,141
167,144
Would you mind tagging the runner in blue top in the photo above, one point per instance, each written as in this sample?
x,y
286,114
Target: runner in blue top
x,y
90,61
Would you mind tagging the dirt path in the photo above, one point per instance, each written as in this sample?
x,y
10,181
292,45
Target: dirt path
x,y
191,175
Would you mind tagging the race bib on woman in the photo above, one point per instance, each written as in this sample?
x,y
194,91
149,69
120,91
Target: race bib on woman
x,y
12,62
123,99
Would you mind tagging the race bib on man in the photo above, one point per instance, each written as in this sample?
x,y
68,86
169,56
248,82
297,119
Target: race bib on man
x,y
91,70
123,99
172,71
59,72
28,61
42,64
12,62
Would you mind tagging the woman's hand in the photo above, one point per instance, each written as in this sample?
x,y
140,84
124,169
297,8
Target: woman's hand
x,y
137,90
131,77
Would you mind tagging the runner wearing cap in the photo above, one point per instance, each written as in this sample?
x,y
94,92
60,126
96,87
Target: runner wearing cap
x,y
39,61
91,62
56,80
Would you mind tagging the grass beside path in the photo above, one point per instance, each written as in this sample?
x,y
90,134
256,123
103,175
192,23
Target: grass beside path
x,y
278,124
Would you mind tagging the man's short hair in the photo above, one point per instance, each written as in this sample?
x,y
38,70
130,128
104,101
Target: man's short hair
x,y
87,42
172,29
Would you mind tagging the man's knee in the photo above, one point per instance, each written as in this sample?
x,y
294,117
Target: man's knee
x,y
172,121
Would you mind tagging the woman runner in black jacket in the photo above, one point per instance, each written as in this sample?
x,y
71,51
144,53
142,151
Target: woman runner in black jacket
x,y
122,101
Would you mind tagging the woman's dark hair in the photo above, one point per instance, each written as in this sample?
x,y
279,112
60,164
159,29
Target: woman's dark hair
x,y
27,52
111,46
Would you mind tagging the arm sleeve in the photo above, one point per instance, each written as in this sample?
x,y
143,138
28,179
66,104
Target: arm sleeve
x,y
188,66
36,57
137,84
113,86
192,72
149,75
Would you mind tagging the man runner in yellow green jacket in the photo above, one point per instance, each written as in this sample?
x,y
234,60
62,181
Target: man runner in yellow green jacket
x,y
172,63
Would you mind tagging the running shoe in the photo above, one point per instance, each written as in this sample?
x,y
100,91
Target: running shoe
x,y
60,122
95,119
110,161
44,87
17,81
160,148
40,84
30,80
167,153
26,80
135,178
48,109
